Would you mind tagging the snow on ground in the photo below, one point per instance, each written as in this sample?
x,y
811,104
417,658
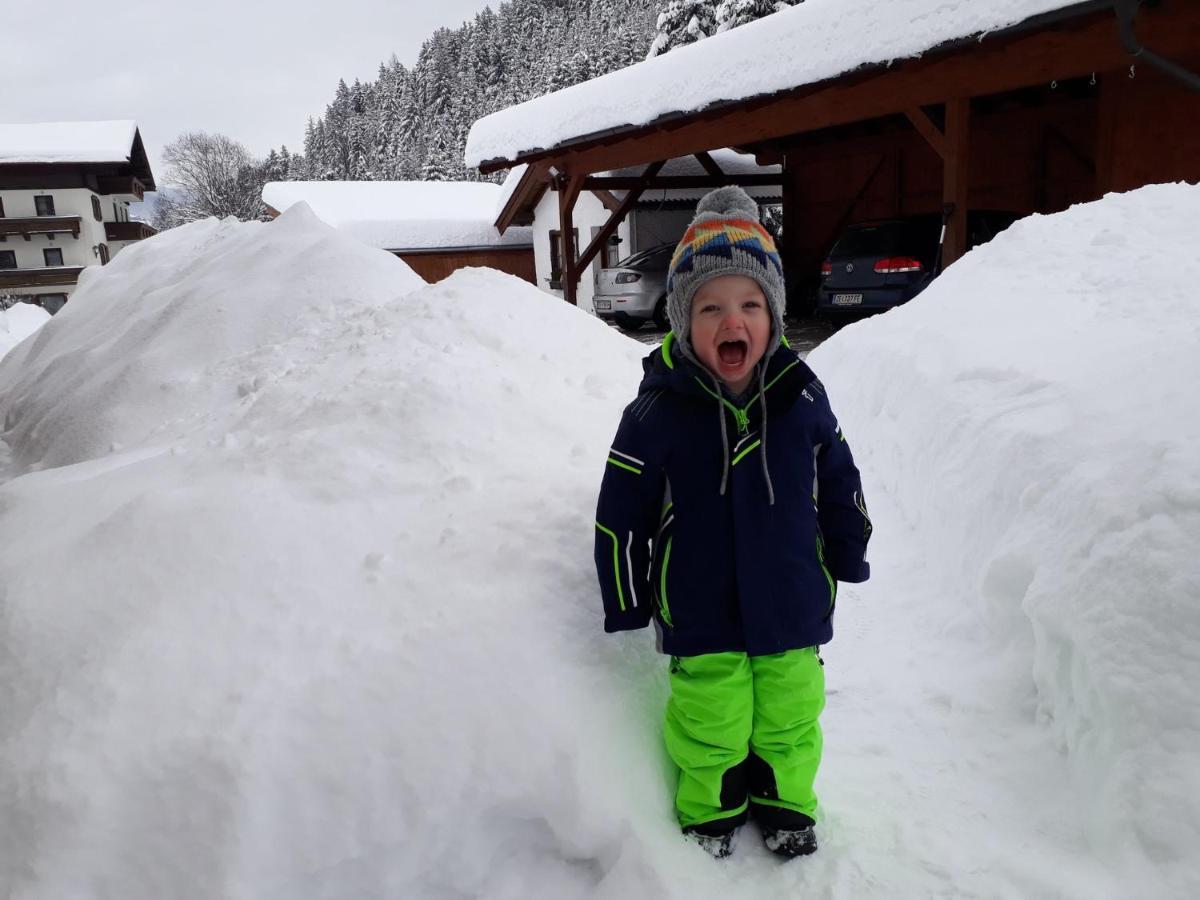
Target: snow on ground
x,y
18,322
761,57
405,215
299,596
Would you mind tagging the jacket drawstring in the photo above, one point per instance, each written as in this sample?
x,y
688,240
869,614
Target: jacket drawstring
x,y
762,398
724,436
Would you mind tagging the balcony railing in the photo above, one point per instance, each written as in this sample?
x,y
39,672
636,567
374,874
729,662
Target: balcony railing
x,y
41,277
123,185
30,225
127,231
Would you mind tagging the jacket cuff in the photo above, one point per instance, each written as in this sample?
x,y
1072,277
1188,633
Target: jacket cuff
x,y
630,620
850,568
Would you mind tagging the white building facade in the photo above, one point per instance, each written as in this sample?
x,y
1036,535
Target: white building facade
x,y
65,190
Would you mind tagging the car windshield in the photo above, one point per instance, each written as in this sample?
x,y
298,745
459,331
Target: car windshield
x,y
655,257
887,239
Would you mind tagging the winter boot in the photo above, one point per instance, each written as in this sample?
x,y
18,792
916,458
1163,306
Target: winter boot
x,y
718,846
790,842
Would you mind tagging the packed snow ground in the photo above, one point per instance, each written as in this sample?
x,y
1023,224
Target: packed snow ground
x,y
299,597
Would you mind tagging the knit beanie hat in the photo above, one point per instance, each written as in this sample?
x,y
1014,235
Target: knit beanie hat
x,y
725,238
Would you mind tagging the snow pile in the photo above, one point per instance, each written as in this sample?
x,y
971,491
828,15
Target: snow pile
x,y
1034,418
66,142
305,606
19,322
405,215
760,57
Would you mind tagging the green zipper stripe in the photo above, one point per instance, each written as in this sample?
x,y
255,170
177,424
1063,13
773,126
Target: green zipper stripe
x,y
625,466
616,564
737,459
662,585
742,415
666,511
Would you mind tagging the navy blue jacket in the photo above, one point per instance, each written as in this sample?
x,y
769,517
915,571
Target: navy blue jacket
x,y
732,572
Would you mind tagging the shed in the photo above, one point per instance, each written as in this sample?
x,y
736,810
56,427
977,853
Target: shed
x,y
876,110
436,227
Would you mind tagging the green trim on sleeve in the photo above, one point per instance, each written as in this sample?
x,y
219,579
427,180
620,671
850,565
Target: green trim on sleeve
x,y
625,466
664,607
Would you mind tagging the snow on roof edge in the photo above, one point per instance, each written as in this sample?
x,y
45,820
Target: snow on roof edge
x,y
99,141
619,101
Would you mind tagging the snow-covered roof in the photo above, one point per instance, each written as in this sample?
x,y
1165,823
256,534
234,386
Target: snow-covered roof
x,y
804,44
404,215
68,142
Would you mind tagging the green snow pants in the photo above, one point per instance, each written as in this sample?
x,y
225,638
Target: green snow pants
x,y
743,732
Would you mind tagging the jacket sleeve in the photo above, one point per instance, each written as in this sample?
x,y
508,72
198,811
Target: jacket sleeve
x,y
841,509
630,500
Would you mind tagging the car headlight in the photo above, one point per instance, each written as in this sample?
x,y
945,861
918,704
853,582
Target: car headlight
x,y
627,278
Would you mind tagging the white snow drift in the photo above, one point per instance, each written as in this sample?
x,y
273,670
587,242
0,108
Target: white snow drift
x,y
298,593
18,322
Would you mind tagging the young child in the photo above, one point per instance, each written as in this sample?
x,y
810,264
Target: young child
x,y
730,508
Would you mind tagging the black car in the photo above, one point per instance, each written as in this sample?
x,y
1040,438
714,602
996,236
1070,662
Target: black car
x,y
874,266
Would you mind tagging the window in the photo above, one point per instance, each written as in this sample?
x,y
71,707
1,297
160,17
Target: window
x,y
52,303
116,212
53,256
8,259
96,209
1,207
44,205
104,254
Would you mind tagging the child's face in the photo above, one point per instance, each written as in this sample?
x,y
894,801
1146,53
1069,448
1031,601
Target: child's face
x,y
730,328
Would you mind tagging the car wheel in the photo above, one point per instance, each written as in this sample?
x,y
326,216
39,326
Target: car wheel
x,y
629,326
660,314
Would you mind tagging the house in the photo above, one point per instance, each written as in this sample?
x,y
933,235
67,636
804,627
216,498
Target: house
x,y
65,190
659,212
434,226
884,109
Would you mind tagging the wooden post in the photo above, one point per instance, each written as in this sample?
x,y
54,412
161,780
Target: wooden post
x,y
955,178
569,187
799,291
614,221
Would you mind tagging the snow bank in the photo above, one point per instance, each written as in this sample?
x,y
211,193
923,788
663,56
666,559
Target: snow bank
x,y
1034,417
761,57
298,593
65,142
17,323
405,215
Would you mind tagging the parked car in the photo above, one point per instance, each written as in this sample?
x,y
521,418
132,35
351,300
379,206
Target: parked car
x,y
634,291
875,266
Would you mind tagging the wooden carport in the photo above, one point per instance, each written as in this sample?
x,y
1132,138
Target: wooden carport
x,y
1059,109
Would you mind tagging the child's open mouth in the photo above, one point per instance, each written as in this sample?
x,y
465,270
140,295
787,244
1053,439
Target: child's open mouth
x,y
732,353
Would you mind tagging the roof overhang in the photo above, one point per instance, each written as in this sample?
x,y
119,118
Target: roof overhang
x,y
1068,42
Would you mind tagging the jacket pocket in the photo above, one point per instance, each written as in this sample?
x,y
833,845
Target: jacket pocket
x,y
832,582
659,571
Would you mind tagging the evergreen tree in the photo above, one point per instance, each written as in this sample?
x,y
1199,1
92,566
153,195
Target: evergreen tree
x,y
683,22
732,13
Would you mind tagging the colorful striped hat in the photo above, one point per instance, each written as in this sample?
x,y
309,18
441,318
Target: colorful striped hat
x,y
725,238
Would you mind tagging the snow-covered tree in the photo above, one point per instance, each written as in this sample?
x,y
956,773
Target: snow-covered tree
x,y
209,175
732,13
683,22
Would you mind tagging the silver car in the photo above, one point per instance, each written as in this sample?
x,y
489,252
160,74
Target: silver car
x,y
634,291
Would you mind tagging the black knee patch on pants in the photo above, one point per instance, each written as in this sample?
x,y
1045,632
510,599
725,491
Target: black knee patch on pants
x,y
734,786
760,777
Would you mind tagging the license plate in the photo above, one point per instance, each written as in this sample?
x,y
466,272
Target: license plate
x,y
603,305
847,299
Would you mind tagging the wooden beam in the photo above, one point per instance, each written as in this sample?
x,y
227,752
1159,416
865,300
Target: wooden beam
x,y
611,203
709,164
928,130
679,182
528,192
569,187
614,221
955,178
1071,49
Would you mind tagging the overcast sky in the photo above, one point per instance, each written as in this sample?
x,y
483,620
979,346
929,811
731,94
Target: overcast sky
x,y
252,69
